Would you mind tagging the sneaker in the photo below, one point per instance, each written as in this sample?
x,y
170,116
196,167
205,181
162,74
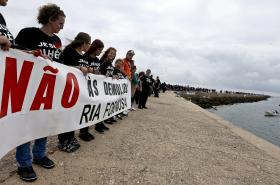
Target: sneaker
x,y
108,121
125,113
86,136
104,127
99,129
74,142
119,117
145,107
132,109
113,119
62,145
27,174
69,146
45,162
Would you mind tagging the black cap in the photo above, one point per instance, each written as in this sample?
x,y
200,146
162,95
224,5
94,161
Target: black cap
x,y
130,52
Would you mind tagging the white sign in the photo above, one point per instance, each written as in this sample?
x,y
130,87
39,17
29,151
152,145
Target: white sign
x,y
39,98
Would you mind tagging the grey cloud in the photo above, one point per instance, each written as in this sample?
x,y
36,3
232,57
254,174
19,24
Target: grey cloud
x,y
224,44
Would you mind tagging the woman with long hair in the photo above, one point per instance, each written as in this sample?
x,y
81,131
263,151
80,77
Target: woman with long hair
x,y
107,69
92,57
92,54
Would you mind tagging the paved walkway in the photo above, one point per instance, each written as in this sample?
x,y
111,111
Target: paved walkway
x,y
173,142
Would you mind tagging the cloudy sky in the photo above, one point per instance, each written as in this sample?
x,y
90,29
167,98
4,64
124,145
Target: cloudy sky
x,y
222,44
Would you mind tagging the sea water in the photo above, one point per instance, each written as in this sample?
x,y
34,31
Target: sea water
x,y
250,116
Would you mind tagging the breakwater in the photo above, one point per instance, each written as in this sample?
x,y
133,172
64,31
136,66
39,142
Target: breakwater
x,y
209,100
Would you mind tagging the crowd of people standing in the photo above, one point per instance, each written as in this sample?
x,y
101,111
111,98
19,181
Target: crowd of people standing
x,y
82,53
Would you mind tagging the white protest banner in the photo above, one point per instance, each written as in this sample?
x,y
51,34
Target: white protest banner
x,y
39,98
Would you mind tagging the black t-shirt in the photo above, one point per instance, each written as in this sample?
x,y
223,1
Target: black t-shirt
x,y
152,80
34,38
4,30
94,62
157,84
71,57
146,82
118,73
106,69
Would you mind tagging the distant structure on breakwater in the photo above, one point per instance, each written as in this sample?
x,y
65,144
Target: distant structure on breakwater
x,y
208,98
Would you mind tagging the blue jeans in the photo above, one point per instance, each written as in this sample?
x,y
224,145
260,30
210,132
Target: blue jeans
x,y
23,154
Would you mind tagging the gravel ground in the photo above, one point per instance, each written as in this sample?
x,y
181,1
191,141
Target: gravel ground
x,y
172,142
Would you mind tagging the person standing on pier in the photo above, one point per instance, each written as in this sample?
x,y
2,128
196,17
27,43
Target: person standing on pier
x,y
157,87
145,88
72,55
6,38
44,39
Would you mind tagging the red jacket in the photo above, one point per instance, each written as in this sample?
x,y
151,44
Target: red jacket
x,y
127,68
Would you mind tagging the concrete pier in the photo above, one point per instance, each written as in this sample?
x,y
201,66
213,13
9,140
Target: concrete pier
x,y
173,142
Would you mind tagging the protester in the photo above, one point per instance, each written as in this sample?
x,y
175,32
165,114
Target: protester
x,y
145,88
72,55
6,38
94,63
52,19
128,65
92,54
134,84
107,69
151,82
136,96
163,87
119,74
127,61
118,70
157,87
44,38
152,85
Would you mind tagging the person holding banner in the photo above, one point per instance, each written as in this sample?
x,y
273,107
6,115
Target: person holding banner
x,y
107,69
92,54
52,19
128,65
118,70
94,63
72,55
6,38
44,39
119,74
